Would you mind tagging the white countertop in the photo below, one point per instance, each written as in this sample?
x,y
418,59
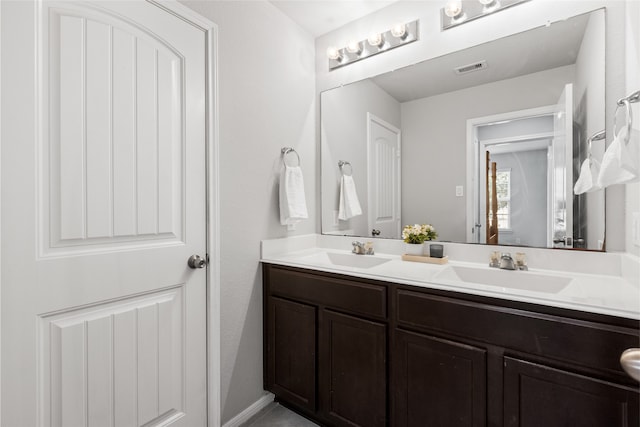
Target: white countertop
x,y
597,293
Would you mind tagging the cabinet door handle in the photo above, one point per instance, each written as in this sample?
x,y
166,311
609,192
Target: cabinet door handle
x,y
630,361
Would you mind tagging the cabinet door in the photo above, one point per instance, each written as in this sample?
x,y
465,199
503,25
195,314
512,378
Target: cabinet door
x,y
352,371
291,352
438,382
537,395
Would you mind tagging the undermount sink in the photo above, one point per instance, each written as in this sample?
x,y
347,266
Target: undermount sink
x,y
357,261
523,280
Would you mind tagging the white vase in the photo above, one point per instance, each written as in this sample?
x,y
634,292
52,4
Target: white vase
x,y
414,248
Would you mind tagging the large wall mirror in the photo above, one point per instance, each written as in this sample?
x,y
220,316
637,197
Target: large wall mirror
x,y
487,138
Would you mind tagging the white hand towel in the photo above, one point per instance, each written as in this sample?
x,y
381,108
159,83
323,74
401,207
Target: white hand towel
x,y
293,204
617,162
587,181
349,203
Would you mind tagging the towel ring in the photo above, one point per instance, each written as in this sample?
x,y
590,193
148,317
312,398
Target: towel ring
x,y
287,150
598,136
629,118
342,164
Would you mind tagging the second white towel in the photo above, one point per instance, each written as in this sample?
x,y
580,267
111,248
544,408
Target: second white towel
x,y
588,180
349,203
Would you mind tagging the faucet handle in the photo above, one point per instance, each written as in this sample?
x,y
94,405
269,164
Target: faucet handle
x,y
494,259
368,248
521,261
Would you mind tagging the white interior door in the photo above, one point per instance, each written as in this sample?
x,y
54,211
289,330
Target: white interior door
x,y
103,201
383,176
561,220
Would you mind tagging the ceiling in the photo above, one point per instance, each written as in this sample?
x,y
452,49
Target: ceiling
x,y
319,17
524,53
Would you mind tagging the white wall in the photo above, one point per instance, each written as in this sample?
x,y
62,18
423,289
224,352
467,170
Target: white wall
x,y
266,101
435,143
344,137
589,97
434,42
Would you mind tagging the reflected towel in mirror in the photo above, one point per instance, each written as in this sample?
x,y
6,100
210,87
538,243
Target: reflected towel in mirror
x,y
349,203
588,180
620,161
293,203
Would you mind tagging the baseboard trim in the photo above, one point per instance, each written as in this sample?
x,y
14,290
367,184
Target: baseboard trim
x,y
245,415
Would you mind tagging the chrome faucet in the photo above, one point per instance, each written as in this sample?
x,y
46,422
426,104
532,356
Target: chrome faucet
x,y
506,262
362,248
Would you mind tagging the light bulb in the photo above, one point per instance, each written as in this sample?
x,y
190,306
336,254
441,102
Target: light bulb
x,y
333,53
354,47
489,5
399,30
453,8
376,40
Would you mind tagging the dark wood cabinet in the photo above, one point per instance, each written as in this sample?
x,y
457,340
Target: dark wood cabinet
x,y
537,395
326,346
354,352
438,382
353,376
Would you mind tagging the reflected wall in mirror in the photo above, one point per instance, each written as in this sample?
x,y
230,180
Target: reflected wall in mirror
x,y
417,140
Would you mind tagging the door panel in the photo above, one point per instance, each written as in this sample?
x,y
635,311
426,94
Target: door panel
x,y
103,201
352,369
291,351
383,178
114,357
561,218
450,376
115,170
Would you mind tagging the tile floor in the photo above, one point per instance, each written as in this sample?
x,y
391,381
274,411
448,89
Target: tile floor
x,y
276,415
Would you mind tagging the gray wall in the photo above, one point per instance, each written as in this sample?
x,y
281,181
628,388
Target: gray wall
x,y
434,144
528,197
266,101
344,137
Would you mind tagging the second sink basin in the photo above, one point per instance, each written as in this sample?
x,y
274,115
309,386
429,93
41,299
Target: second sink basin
x,y
357,261
523,280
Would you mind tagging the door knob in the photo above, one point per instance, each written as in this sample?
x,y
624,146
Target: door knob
x,y
375,232
630,361
195,261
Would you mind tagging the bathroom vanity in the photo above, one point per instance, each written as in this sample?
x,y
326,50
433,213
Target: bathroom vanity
x,y
348,350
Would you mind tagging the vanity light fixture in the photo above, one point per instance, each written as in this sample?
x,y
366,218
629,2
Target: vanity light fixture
x,y
457,12
399,35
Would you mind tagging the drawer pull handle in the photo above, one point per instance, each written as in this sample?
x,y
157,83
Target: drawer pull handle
x,y
630,361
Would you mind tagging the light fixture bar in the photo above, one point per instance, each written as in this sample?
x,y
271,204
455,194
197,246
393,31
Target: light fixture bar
x,y
474,9
389,39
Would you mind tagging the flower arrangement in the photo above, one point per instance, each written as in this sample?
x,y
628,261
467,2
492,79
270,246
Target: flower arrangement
x,y
418,233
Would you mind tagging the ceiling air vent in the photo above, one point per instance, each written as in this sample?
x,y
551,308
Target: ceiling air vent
x,y
476,66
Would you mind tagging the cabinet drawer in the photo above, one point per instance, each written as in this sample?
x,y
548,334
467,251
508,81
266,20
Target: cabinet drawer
x,y
574,342
347,295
